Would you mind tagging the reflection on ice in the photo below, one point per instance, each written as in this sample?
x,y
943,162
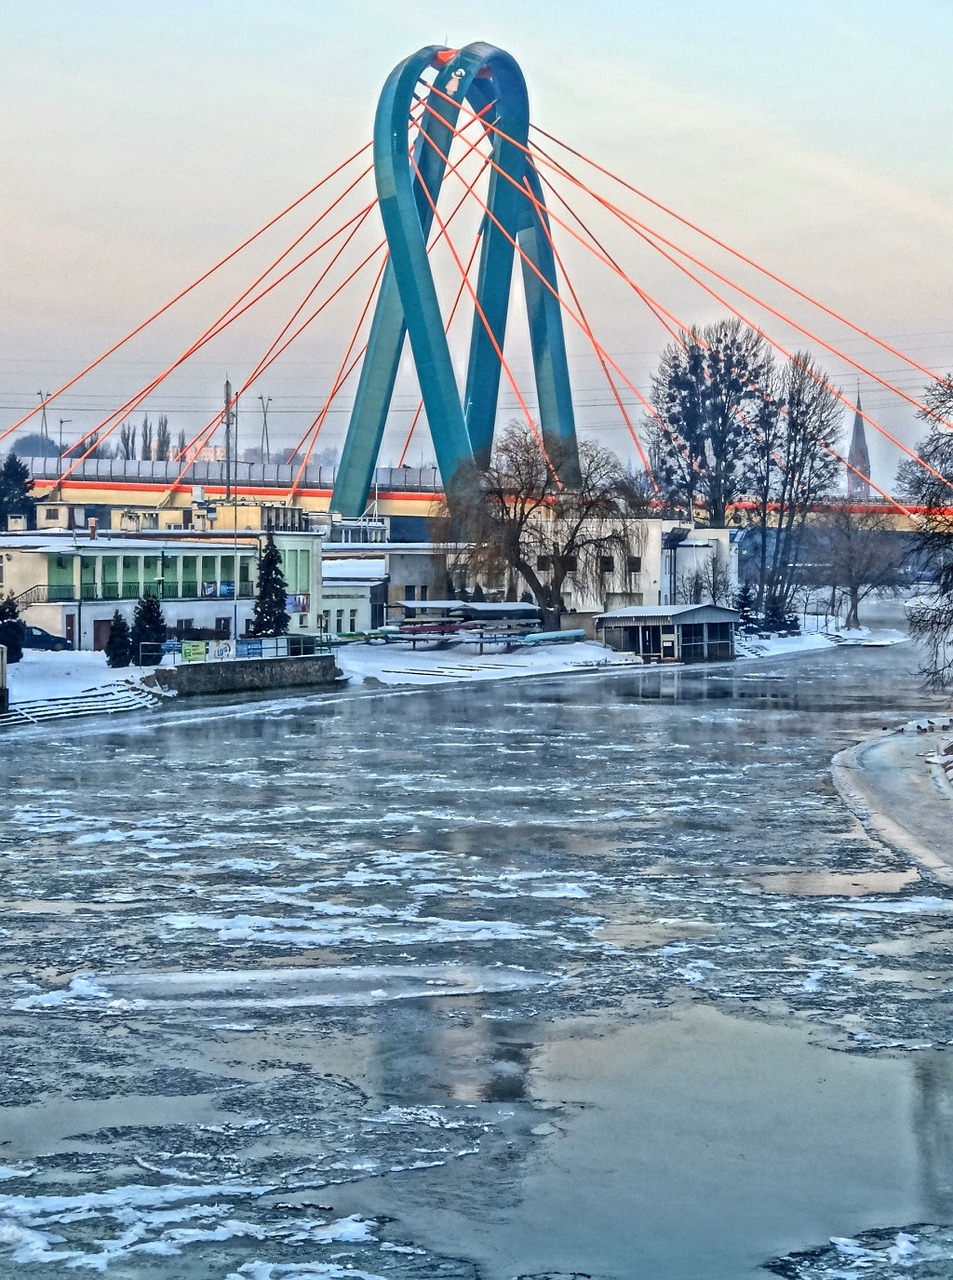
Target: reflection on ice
x,y
284,988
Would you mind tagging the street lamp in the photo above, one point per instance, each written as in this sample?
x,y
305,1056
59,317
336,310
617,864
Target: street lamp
x,y
64,422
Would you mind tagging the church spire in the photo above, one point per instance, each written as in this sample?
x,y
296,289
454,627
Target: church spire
x,y
858,487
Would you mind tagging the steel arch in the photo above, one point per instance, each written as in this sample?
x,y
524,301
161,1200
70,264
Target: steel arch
x,y
489,80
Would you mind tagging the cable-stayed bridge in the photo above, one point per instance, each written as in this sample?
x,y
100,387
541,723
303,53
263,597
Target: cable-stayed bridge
x,y
406,261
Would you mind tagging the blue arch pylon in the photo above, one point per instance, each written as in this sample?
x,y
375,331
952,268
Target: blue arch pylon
x,y
491,82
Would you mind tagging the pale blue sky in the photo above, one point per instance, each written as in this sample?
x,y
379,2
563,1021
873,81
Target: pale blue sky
x,y
139,143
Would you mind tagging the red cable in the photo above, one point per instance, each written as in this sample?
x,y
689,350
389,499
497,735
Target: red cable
x,y
673,435
213,331
479,310
183,292
629,219
751,262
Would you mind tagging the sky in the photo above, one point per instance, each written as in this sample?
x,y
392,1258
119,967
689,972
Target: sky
x,y
140,144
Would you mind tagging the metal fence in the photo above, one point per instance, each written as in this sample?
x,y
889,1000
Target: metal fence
x,y
228,650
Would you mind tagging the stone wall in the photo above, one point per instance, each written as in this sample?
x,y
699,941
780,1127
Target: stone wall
x,y
247,675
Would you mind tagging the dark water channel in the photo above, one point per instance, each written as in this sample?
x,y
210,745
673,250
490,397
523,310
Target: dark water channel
x,y
582,976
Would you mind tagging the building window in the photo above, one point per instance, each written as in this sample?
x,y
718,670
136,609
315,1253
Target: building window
x,y
302,620
633,564
424,591
223,626
410,593
326,618
52,513
606,564
352,620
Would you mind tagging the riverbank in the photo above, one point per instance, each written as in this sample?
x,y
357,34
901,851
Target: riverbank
x,y
62,675
900,796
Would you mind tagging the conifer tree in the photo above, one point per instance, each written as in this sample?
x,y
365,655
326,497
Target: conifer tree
x,y
15,486
119,644
744,602
148,631
11,628
775,617
270,616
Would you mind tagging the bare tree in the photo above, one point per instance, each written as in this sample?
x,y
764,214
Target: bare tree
x,y
709,582
716,577
163,445
931,620
857,553
127,441
797,430
517,521
146,437
94,446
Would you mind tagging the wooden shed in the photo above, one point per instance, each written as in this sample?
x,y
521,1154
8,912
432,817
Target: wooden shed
x,y
672,633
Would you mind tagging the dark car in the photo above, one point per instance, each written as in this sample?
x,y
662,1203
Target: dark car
x,y
37,638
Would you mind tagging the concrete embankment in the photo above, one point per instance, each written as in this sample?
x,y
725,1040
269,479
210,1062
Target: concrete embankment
x,y
902,798
247,675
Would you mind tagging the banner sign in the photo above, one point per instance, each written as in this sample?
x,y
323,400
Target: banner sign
x,y
193,650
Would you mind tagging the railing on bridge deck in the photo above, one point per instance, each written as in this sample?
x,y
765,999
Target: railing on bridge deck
x,y
244,475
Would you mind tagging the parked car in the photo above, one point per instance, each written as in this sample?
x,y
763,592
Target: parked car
x,y
37,638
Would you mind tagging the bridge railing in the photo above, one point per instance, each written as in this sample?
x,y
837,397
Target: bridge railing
x,y
243,475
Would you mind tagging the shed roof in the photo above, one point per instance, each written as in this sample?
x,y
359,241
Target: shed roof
x,y
670,613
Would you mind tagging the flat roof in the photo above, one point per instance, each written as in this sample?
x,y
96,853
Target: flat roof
x,y
340,570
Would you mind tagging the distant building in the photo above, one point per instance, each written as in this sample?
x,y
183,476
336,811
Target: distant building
x,y
354,594
858,471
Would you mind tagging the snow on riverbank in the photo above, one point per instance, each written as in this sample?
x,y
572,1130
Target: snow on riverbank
x,y
391,664
41,675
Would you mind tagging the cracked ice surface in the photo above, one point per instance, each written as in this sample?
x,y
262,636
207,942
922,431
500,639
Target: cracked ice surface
x,y
250,960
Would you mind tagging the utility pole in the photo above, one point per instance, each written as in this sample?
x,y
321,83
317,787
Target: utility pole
x,y
44,427
235,540
228,440
265,449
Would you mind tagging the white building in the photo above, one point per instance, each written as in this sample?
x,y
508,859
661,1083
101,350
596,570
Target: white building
x,y
353,594
71,583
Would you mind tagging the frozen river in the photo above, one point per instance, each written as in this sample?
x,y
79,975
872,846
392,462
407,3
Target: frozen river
x,y
584,976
